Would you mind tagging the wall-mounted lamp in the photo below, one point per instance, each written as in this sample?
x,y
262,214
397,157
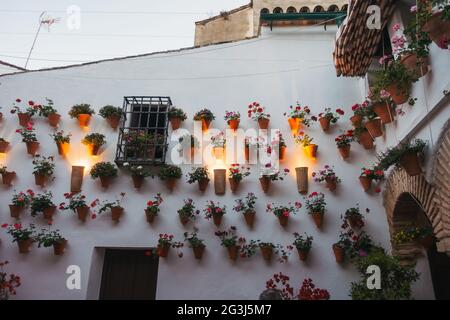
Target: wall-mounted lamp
x,y
302,179
219,181
77,178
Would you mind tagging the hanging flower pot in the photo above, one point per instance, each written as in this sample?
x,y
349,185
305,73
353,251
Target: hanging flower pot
x,y
267,252
83,119
234,184
427,242
417,67
438,30
384,111
205,124
263,123
24,119
32,147
53,119
116,213
366,183
249,217
217,218
40,179
114,121
265,183
283,220
137,181
345,151
49,212
94,149
170,183
356,120
410,162
233,252
338,253
175,123
105,182
203,184
63,148
325,124
8,177
303,254
398,94
331,184
198,251
183,219
234,124
354,222
374,127
318,218
282,153
294,123
59,247
311,150
150,216
82,213
163,250
15,211
24,245
3,146
366,140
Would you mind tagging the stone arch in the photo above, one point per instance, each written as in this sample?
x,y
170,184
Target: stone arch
x,y
333,8
264,10
278,10
291,10
319,9
304,10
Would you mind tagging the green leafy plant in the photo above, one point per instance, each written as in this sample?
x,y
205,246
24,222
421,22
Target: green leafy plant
x,y
374,174
188,210
94,139
18,232
204,114
31,108
177,113
103,169
345,140
284,210
238,172
47,238
303,139
28,134
245,205
48,108
198,174
300,112
393,155
273,173
22,199
193,239
257,112
110,111
76,200
78,109
303,243
229,238
39,202
333,117
153,205
212,208
327,173
170,171
395,73
315,202
61,137
43,165
138,171
107,205
8,282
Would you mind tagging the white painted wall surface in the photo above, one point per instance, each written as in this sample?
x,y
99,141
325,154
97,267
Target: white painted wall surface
x,y
293,64
4,69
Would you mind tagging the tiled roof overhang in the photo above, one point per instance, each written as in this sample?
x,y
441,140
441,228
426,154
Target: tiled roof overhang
x,y
356,44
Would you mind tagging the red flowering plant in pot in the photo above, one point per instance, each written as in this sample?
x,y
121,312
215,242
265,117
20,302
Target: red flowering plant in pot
x,y
24,114
205,116
307,291
372,123
62,141
232,118
8,282
215,211
358,115
3,145
268,249
23,236
246,206
199,175
165,242
112,114
367,176
138,174
315,203
29,137
283,212
48,111
327,175
52,238
270,173
153,208
105,171
7,176
328,117
298,115
115,207
236,173
380,101
44,168
20,201
43,203
176,117
77,204
344,143
306,142
197,244
230,240
303,245
188,212
354,218
257,113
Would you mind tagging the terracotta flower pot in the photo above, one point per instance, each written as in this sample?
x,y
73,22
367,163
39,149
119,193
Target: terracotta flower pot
x,y
366,183
217,218
116,213
418,67
384,111
233,252
324,123
105,182
311,150
53,119
4,146
265,183
15,211
263,123
59,247
82,213
137,181
427,242
83,119
32,147
282,153
438,29
374,127
398,95
366,140
150,217
113,121
303,254
234,184
410,162
163,250
170,183
183,219
234,124
40,179
331,184
249,217
94,150
205,124
8,177
24,245
356,120
63,148
266,252
49,212
198,252
294,123
203,184
338,253
318,219
345,151
283,220
175,123
354,222
24,119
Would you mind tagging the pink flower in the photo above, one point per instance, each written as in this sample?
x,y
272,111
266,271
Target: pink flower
x,y
18,100
94,216
5,225
396,27
413,9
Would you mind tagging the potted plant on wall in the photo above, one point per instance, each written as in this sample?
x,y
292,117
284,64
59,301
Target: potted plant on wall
x,y
197,244
205,116
278,144
25,115
43,203
48,238
94,141
3,145
340,247
188,212
29,137
406,155
200,175
328,175
230,240
170,174
328,117
77,204
23,236
232,118
298,115
435,23
176,116
142,144
112,115
363,137
20,201
246,206
358,114
105,171
380,102
306,142
373,122
83,113
62,141
138,174
283,212
48,111
44,167
115,207
303,245
218,142
8,282
344,143
153,209
256,113
235,175
354,217
368,175
215,211
7,176
269,174
165,242
315,203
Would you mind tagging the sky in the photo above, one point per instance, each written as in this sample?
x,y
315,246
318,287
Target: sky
x,y
90,30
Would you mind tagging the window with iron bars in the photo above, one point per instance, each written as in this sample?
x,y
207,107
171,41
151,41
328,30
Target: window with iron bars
x,y
143,131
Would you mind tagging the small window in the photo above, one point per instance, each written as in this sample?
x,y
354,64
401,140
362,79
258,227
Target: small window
x,y
333,8
291,10
304,10
265,11
143,134
277,10
319,9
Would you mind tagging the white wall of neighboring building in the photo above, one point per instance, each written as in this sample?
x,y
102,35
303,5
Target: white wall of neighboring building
x,y
277,69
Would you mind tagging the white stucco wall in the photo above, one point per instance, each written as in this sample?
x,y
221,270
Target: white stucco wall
x,y
4,69
292,65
